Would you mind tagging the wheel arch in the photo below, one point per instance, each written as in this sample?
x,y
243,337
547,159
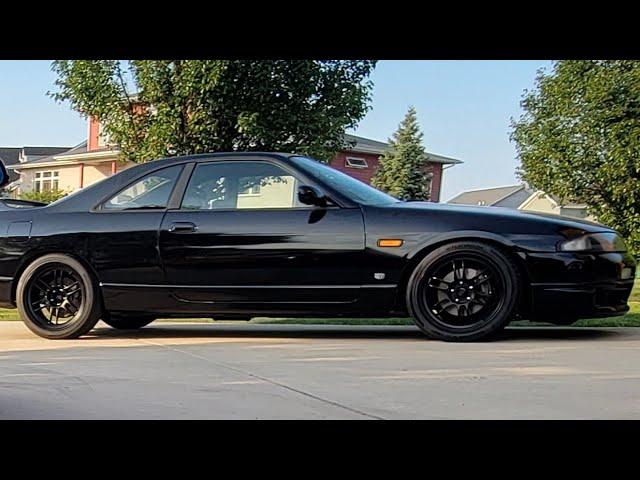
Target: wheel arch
x,y
497,241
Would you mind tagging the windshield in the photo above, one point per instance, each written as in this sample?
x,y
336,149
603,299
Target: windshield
x,y
348,186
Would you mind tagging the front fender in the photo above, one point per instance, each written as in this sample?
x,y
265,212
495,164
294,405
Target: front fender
x,y
447,237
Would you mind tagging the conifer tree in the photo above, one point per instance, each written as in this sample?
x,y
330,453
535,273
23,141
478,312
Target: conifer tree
x,y
402,170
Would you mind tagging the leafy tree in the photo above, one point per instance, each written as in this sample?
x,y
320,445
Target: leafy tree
x,y
46,196
579,139
196,106
402,170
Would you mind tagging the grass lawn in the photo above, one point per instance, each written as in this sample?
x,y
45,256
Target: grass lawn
x,y
631,319
635,293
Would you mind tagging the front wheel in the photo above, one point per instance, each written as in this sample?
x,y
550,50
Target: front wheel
x,y
463,291
57,298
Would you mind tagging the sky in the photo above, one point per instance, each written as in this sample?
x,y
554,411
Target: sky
x,y
464,109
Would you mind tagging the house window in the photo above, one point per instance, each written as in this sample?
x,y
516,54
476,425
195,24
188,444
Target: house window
x,y
45,181
356,162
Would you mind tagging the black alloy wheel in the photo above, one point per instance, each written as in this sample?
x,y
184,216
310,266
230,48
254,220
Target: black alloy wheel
x,y
463,291
57,298
54,296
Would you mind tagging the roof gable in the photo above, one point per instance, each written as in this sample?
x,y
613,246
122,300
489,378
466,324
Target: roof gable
x,y
367,145
486,196
43,151
9,155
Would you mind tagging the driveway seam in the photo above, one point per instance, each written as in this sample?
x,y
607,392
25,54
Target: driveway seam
x,y
268,380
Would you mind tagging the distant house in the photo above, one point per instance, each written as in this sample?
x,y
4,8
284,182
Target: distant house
x,y
70,169
520,197
360,160
20,155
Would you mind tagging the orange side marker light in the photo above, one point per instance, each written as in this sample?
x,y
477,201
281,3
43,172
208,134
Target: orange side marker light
x,y
390,242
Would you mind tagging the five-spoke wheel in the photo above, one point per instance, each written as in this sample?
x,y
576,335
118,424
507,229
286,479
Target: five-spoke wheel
x,y
463,291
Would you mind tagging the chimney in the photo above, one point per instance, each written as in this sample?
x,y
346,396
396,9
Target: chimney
x,y
94,133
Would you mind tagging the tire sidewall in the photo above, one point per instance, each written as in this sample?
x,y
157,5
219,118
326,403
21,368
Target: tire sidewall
x,y
90,308
512,291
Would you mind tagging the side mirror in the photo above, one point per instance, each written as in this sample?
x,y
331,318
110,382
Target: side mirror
x,y
4,176
311,196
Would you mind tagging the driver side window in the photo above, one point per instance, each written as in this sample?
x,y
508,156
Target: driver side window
x,y
151,191
241,185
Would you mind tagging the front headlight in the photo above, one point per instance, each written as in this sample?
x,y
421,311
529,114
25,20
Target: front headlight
x,y
595,242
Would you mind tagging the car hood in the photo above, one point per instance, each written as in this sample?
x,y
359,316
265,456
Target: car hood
x,y
501,213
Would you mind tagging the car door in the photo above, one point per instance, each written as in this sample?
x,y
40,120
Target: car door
x,y
241,239
122,234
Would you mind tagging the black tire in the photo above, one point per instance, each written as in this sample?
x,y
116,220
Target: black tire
x,y
472,302
127,322
57,287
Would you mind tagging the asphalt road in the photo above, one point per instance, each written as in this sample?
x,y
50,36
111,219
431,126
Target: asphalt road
x,y
212,371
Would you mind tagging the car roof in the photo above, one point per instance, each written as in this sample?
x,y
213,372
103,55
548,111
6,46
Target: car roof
x,y
205,156
142,168
95,192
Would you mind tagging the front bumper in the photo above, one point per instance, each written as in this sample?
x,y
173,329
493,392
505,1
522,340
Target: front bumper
x,y
568,286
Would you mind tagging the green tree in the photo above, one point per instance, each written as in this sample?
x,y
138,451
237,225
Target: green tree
x,y
402,170
46,196
193,106
579,139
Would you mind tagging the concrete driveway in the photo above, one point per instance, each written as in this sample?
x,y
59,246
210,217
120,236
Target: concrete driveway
x,y
239,371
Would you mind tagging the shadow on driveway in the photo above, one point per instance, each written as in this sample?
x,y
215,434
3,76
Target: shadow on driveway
x,y
375,332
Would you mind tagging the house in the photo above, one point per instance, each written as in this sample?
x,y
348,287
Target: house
x,y
521,197
20,155
68,169
360,160
74,168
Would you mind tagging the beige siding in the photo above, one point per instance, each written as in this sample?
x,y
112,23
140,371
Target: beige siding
x,y
26,184
542,204
69,175
272,195
69,178
95,173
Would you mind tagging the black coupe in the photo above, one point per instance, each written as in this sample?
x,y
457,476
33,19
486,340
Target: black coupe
x,y
236,235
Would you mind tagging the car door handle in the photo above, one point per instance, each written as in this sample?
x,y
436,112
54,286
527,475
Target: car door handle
x,y
183,227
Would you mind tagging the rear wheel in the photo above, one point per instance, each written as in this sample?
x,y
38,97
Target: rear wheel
x,y
57,298
127,322
463,291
